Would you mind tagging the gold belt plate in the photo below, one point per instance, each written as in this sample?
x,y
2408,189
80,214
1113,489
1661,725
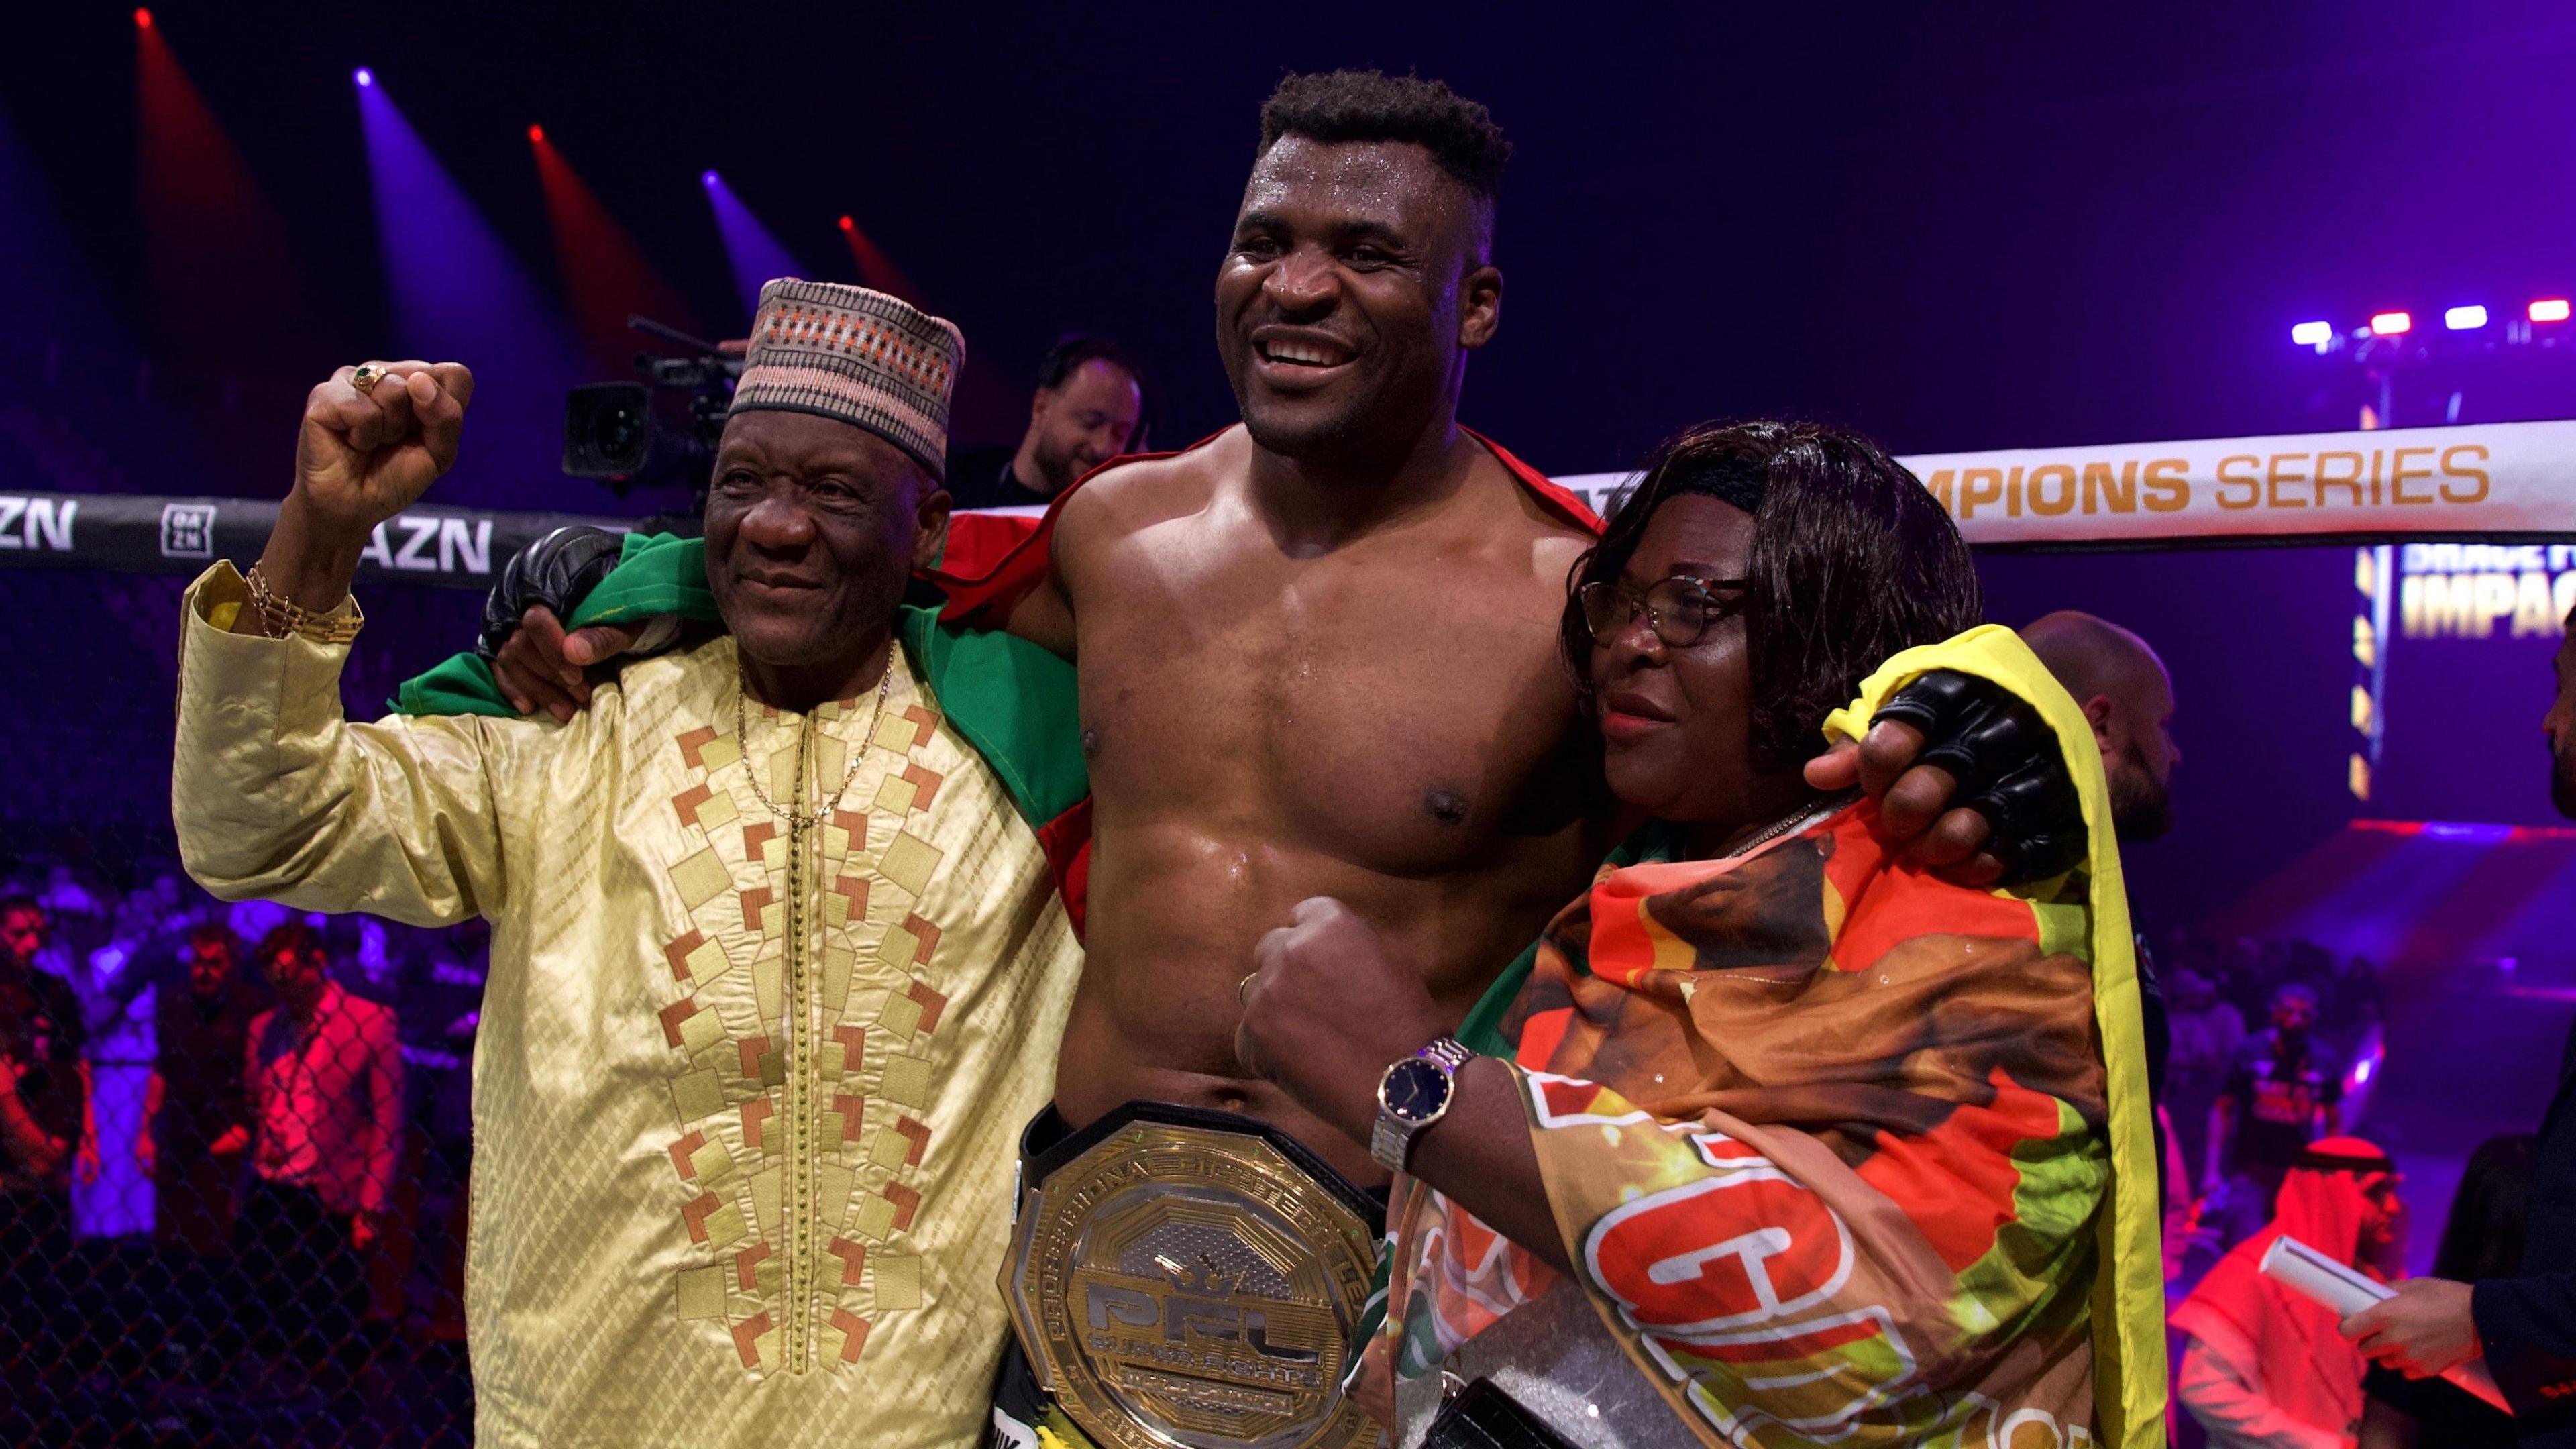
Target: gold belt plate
x,y
1190,1286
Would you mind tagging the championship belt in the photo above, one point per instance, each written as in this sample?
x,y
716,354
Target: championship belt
x,y
1192,1278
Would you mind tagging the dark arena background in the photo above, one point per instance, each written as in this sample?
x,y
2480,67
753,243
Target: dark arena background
x,y
1958,228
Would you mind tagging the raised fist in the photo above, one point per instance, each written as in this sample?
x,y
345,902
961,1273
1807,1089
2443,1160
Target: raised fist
x,y
365,456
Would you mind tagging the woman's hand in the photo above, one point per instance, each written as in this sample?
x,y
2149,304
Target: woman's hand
x,y
1325,1012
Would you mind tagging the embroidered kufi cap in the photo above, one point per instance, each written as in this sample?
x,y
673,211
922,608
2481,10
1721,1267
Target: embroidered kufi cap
x,y
872,361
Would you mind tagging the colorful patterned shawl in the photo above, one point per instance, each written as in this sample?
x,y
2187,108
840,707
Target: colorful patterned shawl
x,y
1830,1140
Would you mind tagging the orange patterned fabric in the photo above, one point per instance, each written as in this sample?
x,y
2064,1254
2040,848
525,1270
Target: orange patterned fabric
x,y
1825,1137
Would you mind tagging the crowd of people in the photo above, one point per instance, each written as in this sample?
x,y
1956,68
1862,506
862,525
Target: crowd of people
x,y
232,1170
1685,945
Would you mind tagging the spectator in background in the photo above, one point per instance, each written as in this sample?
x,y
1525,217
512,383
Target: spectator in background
x,y
197,1114
2263,1367
2247,976
2481,1239
2524,1320
43,1084
2207,1035
2349,1002
1089,408
2127,696
325,1092
112,1194
2282,1094
42,1089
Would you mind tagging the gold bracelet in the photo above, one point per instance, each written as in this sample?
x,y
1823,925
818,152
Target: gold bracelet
x,y
279,618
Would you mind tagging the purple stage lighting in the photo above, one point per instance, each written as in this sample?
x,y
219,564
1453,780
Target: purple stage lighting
x,y
2464,319
365,77
46,285
709,178
2390,324
459,294
2549,309
757,256
2312,334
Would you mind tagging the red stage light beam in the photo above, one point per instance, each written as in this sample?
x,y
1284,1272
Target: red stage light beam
x,y
219,264
876,269
605,274
987,408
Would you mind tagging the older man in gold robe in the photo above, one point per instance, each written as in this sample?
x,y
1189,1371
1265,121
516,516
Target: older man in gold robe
x,y
778,968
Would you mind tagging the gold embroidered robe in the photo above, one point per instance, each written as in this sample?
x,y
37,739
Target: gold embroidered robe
x,y
746,1091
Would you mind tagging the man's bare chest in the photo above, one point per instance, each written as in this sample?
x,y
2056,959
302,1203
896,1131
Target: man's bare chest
x,y
1380,715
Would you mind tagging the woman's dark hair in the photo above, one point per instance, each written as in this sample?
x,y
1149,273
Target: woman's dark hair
x,y
1852,561
2482,1238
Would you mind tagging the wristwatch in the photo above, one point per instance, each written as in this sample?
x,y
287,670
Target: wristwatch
x,y
1413,1094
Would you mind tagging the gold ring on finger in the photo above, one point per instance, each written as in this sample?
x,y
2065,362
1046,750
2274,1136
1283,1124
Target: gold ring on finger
x,y
1243,988
366,378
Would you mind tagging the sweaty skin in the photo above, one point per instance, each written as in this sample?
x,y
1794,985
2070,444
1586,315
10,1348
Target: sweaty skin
x,y
1385,722
1319,654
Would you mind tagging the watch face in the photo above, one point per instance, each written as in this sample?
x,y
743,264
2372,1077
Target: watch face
x,y
1414,1089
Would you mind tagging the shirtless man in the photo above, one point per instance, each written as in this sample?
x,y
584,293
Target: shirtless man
x,y
1318,653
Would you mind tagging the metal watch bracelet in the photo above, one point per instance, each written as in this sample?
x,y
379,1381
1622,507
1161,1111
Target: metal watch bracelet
x,y
1391,1138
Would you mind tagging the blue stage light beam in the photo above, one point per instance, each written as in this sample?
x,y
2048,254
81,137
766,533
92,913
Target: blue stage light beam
x,y
758,257
460,295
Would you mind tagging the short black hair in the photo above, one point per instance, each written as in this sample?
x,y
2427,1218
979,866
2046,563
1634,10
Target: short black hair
x,y
290,938
1853,560
1368,105
1074,349
214,933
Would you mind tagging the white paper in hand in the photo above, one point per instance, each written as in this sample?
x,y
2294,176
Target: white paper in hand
x,y
2346,1291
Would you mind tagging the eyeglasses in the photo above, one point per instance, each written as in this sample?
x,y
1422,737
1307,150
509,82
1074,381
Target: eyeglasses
x,y
1679,610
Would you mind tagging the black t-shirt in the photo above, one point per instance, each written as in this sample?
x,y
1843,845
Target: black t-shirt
x,y
2446,1417
41,1036
2278,1094
202,1042
982,478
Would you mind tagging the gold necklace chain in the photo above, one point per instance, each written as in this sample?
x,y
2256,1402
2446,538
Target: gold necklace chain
x,y
858,751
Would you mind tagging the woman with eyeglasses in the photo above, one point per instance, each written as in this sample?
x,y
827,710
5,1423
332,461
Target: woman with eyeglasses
x,y
1774,1136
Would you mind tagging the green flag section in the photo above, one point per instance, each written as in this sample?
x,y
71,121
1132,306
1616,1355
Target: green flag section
x,y
1012,700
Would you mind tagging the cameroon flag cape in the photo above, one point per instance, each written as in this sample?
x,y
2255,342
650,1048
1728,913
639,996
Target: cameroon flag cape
x,y
1841,1152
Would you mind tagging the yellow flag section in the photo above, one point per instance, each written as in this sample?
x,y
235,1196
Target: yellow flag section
x,y
2486,479
2128,1300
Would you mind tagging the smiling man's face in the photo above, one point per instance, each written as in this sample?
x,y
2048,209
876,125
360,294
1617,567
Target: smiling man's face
x,y
1355,285
813,525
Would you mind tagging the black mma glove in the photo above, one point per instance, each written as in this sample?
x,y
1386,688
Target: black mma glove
x,y
2007,762
558,571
